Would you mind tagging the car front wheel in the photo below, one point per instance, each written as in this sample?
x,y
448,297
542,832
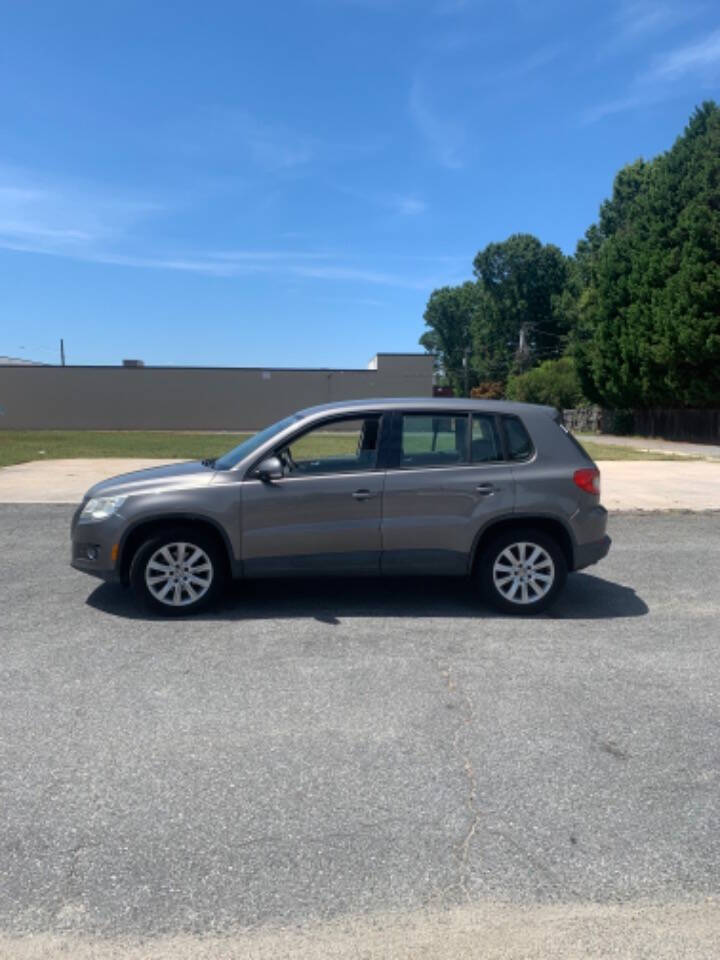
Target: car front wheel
x,y
177,572
522,571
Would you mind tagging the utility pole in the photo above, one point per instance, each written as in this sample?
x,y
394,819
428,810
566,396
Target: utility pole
x,y
523,350
62,352
466,365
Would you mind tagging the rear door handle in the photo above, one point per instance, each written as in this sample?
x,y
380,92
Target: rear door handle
x,y
485,489
362,495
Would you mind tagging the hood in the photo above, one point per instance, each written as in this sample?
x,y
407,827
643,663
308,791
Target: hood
x,y
192,473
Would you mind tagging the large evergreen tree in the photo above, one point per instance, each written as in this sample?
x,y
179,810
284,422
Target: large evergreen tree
x,y
648,300
638,304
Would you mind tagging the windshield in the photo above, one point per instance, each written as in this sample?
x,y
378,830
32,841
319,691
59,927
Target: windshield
x,y
244,449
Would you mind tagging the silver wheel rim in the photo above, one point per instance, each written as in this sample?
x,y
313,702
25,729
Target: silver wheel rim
x,y
523,573
179,574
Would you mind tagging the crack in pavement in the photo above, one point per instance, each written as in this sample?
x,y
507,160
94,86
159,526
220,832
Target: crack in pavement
x,y
475,813
462,849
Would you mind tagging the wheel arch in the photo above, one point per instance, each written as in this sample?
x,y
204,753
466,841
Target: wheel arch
x,y
146,527
552,526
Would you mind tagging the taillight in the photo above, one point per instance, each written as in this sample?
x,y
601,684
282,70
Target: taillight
x,y
588,480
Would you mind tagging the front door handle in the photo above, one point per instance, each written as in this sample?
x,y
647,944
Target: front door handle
x,y
485,489
362,495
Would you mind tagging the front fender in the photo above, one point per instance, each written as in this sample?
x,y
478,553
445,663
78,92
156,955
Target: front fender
x,y
217,506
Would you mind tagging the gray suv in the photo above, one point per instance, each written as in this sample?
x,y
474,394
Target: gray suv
x,y
499,492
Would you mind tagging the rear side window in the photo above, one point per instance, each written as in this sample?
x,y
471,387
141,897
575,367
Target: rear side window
x,y
429,441
519,444
485,442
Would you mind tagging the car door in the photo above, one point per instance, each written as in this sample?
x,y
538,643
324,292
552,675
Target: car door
x,y
446,479
323,515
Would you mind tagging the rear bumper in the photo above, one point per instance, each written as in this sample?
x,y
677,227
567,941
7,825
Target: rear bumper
x,y
589,553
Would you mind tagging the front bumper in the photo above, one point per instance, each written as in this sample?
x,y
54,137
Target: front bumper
x,y
92,545
110,574
589,553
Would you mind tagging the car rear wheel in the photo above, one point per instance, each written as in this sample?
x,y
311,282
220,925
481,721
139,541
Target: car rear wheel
x,y
177,572
522,571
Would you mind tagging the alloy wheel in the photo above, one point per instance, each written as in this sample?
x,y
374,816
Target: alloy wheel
x,y
523,573
179,574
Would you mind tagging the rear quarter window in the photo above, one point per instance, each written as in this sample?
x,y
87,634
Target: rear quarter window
x,y
517,439
575,442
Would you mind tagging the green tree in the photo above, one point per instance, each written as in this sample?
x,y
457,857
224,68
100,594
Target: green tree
x,y
648,320
448,315
554,382
518,320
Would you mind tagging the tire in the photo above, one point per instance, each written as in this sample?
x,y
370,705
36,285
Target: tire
x,y
505,581
164,584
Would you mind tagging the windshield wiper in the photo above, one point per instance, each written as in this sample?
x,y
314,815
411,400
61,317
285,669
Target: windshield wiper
x,y
209,461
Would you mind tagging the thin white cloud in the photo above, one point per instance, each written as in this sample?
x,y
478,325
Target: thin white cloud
x,y
238,138
444,136
444,133
619,105
699,61
638,21
182,264
354,301
693,58
89,225
360,275
269,147
38,231
260,263
239,135
86,255
535,61
389,4
43,211
259,256
641,17
409,206
455,260
398,204
82,222
450,7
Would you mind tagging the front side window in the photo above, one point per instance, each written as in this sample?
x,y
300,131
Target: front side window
x,y
338,446
433,441
485,442
234,456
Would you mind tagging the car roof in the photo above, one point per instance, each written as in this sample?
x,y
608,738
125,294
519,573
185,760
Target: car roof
x,y
439,404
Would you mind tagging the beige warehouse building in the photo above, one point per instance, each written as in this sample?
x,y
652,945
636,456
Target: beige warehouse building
x,y
192,398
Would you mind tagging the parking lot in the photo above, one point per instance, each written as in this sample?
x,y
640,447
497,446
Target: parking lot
x,y
315,753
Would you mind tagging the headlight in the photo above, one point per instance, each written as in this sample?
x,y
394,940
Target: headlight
x,y
99,508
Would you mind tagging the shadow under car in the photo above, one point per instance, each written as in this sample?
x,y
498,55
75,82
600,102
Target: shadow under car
x,y
327,599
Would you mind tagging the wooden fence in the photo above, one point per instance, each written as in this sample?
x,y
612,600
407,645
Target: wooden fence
x,y
698,426
695,426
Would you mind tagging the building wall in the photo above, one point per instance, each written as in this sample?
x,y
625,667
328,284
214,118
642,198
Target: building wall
x,y
192,398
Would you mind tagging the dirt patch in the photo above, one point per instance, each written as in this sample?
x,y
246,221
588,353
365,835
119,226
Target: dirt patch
x,y
626,485
488,931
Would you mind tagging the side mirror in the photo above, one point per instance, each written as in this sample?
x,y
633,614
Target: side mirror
x,y
269,469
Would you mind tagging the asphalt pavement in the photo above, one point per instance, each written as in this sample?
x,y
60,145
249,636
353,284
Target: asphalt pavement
x,y
318,753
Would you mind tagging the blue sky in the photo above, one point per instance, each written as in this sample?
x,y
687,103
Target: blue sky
x,y
284,183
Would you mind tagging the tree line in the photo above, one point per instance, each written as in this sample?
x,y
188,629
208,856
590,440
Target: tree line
x,y
630,321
